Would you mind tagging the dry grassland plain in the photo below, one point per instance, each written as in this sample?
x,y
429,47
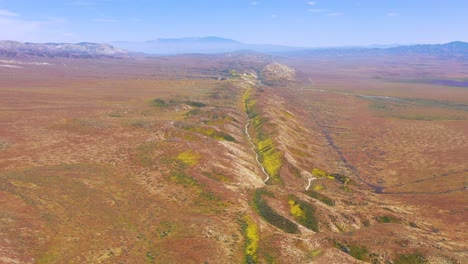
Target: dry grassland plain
x,y
146,160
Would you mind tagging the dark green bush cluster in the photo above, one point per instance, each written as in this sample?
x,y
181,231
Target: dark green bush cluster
x,y
211,132
158,102
387,219
357,252
195,104
414,258
341,178
271,216
324,199
308,218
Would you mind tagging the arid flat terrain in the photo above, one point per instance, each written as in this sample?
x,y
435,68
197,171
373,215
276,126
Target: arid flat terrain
x,y
150,160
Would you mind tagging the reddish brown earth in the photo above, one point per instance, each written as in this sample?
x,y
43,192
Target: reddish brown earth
x,y
92,170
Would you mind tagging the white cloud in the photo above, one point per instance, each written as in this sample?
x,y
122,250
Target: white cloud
x,y
7,13
105,20
254,3
335,14
311,3
15,28
392,14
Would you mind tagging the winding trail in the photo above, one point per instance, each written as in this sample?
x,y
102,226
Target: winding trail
x,y
256,154
310,182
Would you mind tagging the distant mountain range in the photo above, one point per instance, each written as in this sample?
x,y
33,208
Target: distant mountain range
x,y
14,49
456,47
206,45
212,45
452,49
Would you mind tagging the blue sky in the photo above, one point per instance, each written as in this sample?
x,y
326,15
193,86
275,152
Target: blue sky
x,y
288,22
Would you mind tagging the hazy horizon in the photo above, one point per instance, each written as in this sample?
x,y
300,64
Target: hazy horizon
x,y
330,23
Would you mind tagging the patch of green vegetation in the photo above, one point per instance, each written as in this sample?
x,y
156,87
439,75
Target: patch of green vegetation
x,y
356,251
303,212
115,115
193,112
207,201
150,258
184,180
387,219
366,223
341,178
249,103
319,173
318,187
189,157
212,133
165,229
220,120
217,176
270,158
271,216
316,195
144,154
314,253
413,258
47,258
270,259
345,180
288,114
252,238
430,117
158,102
205,195
298,152
359,252
195,104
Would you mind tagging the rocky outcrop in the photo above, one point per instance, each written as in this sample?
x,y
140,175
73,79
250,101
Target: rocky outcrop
x,y
277,73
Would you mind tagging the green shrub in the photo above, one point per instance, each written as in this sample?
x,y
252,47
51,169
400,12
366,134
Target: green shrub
x,y
357,252
195,104
414,258
271,216
158,102
252,238
319,173
212,133
387,219
303,212
324,199
341,178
